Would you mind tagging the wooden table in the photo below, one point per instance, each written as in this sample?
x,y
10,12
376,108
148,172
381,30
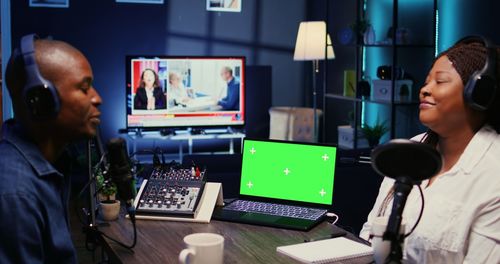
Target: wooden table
x,y
161,241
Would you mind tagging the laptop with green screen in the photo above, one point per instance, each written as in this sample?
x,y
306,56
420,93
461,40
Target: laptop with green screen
x,y
283,184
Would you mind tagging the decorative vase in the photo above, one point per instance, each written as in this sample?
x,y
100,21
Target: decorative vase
x,y
363,89
110,209
369,36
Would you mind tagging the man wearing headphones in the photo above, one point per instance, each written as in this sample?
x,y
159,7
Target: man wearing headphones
x,y
460,105
55,103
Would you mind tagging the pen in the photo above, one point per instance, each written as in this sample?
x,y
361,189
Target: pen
x,y
333,235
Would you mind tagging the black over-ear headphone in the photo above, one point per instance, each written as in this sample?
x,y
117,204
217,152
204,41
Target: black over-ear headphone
x,y
40,95
481,89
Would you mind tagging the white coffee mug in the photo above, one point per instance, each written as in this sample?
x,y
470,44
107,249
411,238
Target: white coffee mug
x,y
381,248
202,248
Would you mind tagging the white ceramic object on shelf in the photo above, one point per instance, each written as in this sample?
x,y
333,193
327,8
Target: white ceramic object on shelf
x,y
369,36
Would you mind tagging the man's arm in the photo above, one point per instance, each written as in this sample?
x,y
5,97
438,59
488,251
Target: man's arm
x,y
232,99
20,229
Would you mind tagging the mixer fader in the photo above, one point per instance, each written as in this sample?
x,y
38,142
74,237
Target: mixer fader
x,y
171,191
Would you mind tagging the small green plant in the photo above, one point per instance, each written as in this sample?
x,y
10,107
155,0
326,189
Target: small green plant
x,y
374,133
105,187
360,26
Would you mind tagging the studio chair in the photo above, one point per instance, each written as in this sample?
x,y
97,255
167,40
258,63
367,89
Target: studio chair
x,y
294,123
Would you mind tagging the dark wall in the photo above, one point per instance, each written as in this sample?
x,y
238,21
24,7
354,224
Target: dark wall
x,y
459,18
106,31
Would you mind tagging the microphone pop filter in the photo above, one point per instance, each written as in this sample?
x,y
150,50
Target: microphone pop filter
x,y
403,157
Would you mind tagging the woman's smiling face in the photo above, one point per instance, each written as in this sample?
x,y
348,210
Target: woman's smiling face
x,y
442,104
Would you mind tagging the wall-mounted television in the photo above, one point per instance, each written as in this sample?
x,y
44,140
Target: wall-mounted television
x,y
188,91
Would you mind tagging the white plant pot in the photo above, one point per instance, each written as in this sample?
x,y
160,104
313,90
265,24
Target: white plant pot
x,y
110,209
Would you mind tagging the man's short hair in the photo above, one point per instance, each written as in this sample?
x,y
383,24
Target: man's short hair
x,y
228,69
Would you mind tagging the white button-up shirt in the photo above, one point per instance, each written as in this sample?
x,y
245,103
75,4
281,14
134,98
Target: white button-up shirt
x,y
461,218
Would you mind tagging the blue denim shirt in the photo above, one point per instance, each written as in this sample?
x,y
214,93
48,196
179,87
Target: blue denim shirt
x,y
34,224
232,99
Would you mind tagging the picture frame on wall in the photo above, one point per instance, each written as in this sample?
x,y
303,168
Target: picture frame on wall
x,y
50,3
224,5
141,1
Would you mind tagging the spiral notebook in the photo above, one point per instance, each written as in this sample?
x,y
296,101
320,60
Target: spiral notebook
x,y
326,251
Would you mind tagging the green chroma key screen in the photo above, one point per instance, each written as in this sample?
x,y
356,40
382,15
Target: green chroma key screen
x,y
288,171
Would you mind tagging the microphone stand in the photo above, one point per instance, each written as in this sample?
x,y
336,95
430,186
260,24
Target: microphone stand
x,y
402,188
90,229
92,186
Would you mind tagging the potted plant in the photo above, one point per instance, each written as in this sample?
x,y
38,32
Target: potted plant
x,y
359,28
106,191
374,133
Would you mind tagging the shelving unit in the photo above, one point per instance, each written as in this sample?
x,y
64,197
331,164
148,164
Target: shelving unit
x,y
396,52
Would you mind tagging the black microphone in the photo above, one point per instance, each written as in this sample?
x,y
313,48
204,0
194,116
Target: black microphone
x,y
120,171
121,175
403,157
408,162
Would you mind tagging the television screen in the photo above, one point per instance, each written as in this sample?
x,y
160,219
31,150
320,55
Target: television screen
x,y
164,91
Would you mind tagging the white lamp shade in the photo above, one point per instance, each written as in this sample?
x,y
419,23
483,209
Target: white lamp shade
x,y
310,44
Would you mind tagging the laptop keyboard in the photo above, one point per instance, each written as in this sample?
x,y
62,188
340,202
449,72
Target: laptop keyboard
x,y
276,209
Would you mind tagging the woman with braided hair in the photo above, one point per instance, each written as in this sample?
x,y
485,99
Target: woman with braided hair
x,y
460,105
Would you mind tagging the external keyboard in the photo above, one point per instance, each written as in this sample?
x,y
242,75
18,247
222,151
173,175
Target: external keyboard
x,y
276,209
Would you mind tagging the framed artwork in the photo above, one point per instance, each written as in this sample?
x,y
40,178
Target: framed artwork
x,y
50,3
141,1
224,5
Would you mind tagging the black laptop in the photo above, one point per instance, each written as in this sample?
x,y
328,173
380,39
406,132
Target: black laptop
x,y
283,184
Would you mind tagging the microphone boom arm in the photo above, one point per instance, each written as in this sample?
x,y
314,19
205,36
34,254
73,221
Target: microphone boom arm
x,y
402,188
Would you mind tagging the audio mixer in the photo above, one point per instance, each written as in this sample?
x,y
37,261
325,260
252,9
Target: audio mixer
x,y
171,191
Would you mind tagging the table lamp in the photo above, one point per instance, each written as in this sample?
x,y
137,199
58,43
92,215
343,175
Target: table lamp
x,y
312,42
